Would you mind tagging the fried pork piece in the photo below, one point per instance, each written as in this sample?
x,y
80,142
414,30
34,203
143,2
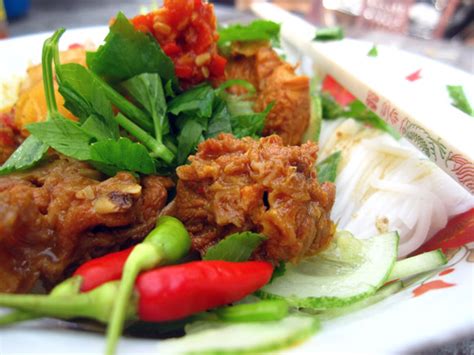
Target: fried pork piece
x,y
62,214
275,81
236,185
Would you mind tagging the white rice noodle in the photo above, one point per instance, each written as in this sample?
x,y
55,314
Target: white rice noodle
x,y
384,185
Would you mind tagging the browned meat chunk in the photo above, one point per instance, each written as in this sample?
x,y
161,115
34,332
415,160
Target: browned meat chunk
x,y
61,214
236,185
275,81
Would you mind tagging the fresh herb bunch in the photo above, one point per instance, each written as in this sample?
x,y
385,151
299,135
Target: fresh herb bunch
x,y
157,125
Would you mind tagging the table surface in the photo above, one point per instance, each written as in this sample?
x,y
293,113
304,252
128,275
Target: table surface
x,y
47,15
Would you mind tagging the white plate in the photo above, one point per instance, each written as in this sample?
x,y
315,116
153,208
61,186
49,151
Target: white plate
x,y
401,323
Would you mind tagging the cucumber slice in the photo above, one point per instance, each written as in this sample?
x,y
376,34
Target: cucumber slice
x,y
243,338
316,113
380,295
348,271
418,264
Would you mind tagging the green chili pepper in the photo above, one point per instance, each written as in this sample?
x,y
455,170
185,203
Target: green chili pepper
x,y
168,242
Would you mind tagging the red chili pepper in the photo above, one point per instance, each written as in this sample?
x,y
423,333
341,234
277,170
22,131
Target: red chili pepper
x,y
217,66
458,231
98,271
342,96
167,293
174,292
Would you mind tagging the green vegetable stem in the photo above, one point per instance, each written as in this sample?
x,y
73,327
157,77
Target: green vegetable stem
x,y
168,242
262,311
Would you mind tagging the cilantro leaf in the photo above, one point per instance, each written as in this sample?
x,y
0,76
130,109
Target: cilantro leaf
x,y
456,92
196,102
327,169
373,51
220,120
30,152
329,34
65,136
128,52
235,247
96,127
123,154
238,105
83,90
360,112
250,125
278,271
188,138
331,109
258,30
147,89
356,110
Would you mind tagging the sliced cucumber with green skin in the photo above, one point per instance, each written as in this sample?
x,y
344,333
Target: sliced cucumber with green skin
x,y
380,295
316,113
418,264
243,338
348,271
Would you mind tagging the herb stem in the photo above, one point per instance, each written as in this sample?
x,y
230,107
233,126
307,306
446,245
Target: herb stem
x,y
49,49
157,149
125,106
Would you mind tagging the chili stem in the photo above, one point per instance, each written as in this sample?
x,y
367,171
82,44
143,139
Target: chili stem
x,y
157,149
96,304
143,257
168,242
16,317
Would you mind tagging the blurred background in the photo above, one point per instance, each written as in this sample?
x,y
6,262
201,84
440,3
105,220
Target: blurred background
x,y
441,29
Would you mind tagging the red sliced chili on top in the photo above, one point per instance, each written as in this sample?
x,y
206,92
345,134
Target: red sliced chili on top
x,y
186,30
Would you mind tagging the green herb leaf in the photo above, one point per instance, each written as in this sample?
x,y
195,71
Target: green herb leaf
x,y
331,109
250,125
279,271
456,92
220,120
373,51
194,102
147,89
235,247
84,96
123,154
327,169
360,112
356,110
128,52
63,135
188,139
329,34
30,152
238,105
258,30
97,128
